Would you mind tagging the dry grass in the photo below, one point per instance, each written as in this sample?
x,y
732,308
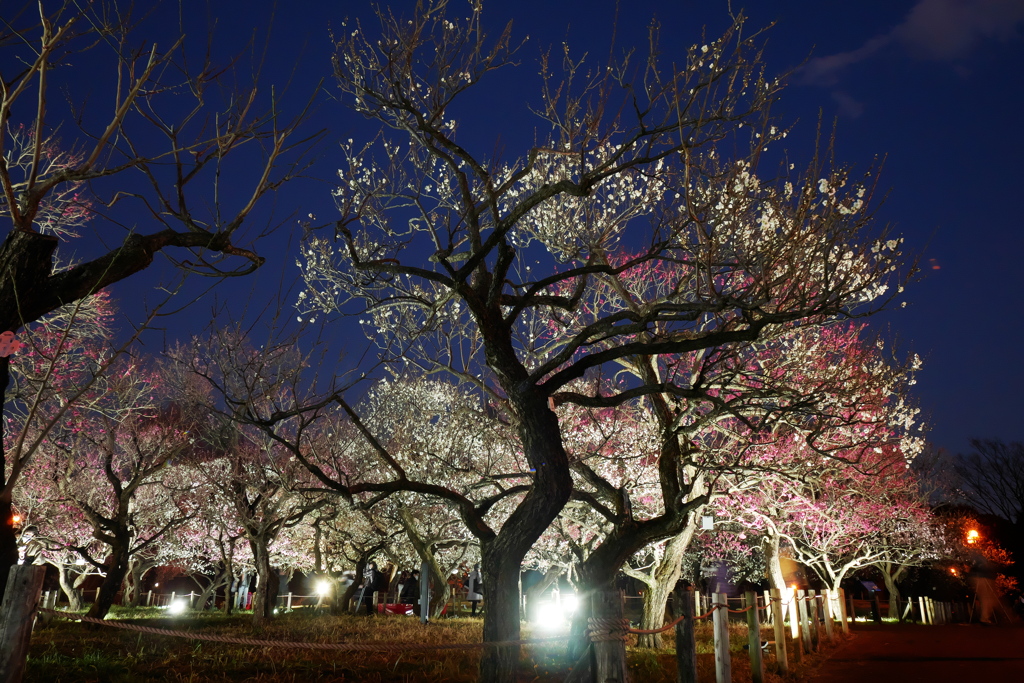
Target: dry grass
x,y
69,652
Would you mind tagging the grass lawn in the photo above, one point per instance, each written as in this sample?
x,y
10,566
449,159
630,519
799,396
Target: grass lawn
x,y
70,652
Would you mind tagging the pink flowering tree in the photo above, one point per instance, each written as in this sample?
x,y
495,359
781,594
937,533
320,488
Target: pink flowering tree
x,y
841,519
108,460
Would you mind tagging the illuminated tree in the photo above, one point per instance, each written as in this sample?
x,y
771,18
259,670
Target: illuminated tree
x,y
107,461
459,261
143,173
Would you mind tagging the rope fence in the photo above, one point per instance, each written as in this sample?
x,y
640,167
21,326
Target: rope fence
x,y
812,620
599,630
342,647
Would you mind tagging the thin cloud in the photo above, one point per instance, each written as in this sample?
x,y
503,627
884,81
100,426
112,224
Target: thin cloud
x,y
938,30
848,106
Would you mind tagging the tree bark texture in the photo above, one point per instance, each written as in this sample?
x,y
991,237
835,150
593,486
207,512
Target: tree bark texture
x,y
71,585
662,583
502,556
17,614
773,562
266,581
891,575
116,569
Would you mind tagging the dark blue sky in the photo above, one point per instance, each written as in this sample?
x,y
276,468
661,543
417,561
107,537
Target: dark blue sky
x,y
935,86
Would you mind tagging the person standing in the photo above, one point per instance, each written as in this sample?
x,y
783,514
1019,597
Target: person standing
x,y
474,588
411,590
371,582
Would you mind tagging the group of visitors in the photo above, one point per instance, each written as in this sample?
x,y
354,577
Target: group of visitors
x,y
405,586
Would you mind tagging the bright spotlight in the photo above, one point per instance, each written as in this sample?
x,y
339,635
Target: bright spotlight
x,y
177,607
550,617
569,604
323,588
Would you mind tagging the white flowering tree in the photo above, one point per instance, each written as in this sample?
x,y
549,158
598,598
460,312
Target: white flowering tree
x,y
224,387
456,260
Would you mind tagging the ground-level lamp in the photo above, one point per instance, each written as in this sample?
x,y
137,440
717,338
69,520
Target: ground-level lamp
x,y
973,536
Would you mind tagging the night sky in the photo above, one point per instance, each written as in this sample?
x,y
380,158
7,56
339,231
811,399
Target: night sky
x,y
934,86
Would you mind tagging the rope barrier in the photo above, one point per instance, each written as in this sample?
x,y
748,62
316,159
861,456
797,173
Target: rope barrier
x,y
740,611
599,630
651,631
342,647
714,606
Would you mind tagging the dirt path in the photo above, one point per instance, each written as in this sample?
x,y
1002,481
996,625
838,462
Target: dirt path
x,y
936,654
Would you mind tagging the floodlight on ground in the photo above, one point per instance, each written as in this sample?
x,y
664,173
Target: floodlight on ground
x,y
177,607
323,588
550,617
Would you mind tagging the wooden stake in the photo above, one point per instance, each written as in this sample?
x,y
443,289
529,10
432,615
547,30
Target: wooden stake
x,y
827,612
610,654
24,586
805,623
754,638
812,613
723,663
686,641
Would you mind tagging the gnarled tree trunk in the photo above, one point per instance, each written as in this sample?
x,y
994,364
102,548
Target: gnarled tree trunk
x,y
116,569
662,583
891,575
773,561
72,587
266,580
502,555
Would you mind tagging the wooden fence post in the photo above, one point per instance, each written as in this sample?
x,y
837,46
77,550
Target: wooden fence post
x,y
781,656
723,663
794,627
24,586
754,638
686,640
425,592
812,613
794,616
610,650
805,623
826,611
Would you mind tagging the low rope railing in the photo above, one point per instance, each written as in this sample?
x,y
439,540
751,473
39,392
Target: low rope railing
x,y
342,647
674,622
598,630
